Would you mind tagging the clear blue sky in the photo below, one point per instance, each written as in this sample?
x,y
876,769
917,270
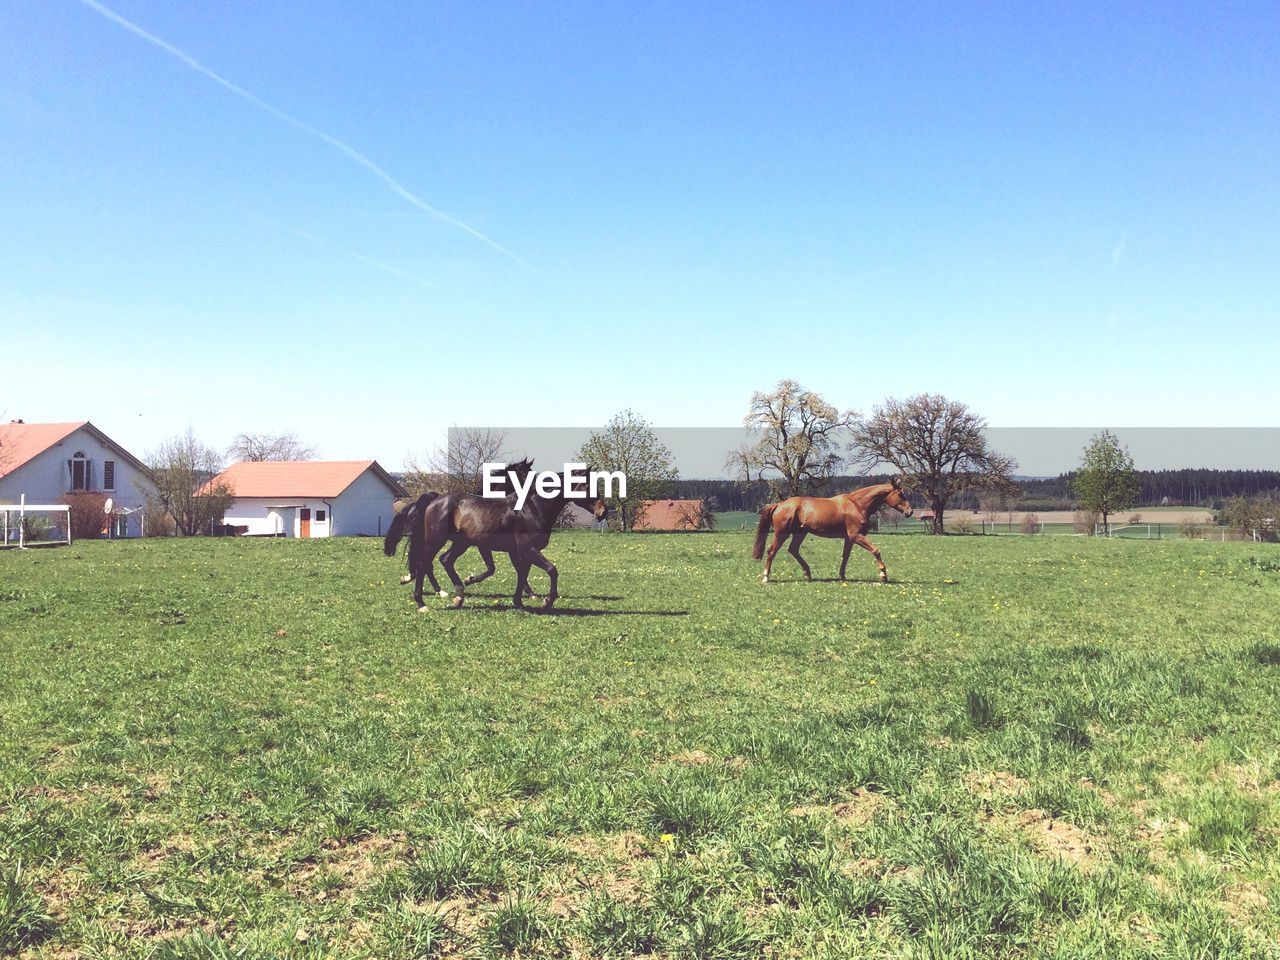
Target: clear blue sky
x,y
1063,217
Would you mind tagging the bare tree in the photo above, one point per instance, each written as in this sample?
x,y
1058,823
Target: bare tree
x,y
456,467
183,472
941,447
801,440
628,443
269,446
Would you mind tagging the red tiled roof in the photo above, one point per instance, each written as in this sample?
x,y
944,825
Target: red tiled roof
x,y
669,515
20,442
321,479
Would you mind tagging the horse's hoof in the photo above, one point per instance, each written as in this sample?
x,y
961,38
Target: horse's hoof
x,y
424,609
546,604
764,579
457,602
469,581
808,578
444,594
407,578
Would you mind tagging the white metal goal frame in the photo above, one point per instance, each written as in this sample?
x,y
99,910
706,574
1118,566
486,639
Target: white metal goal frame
x,y
13,523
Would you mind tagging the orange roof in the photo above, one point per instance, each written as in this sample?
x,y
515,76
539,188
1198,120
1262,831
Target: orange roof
x,y
20,442
669,515
321,479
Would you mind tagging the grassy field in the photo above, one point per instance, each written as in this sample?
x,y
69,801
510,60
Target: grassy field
x,y
1032,747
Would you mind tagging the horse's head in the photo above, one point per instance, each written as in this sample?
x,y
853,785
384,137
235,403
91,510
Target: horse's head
x,y
593,504
520,469
897,499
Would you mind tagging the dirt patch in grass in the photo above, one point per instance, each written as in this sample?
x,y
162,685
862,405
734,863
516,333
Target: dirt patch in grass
x,y
1061,838
859,808
692,758
1244,901
341,868
612,865
1156,831
989,782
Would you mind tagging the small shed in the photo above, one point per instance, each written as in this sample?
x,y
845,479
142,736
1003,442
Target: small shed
x,y
310,498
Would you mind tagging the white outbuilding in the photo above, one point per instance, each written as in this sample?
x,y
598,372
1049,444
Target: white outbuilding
x,y
310,498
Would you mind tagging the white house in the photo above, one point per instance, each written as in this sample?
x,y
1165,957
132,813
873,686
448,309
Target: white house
x,y
310,498
46,461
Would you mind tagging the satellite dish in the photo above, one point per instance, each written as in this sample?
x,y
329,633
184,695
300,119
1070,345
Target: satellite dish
x,y
106,507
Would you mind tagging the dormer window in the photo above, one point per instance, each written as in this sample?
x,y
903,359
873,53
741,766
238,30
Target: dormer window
x,y
81,471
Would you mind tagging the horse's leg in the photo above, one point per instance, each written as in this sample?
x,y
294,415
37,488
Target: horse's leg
x,y
542,563
794,550
429,565
779,538
413,557
487,556
844,561
521,565
870,547
422,567
447,560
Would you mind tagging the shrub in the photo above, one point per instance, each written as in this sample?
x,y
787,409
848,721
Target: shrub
x,y
87,514
1135,518
1084,521
962,524
156,521
1030,523
1191,529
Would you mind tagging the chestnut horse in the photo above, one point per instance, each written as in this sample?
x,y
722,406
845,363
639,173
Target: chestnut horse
x,y
847,515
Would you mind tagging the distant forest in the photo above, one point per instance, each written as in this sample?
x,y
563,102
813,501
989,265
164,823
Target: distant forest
x,y
1186,487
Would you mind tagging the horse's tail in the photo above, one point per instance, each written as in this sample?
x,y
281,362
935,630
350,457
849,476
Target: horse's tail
x,y
762,530
406,521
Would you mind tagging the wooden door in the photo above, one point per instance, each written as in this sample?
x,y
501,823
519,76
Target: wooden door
x,y
304,523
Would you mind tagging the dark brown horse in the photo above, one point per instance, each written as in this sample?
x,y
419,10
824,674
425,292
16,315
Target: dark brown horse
x,y
494,525
847,516
411,516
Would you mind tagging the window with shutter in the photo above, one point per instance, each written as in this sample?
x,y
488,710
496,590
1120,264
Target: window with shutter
x,y
108,475
79,472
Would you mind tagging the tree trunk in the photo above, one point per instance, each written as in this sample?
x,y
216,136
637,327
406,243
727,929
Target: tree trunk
x,y
937,518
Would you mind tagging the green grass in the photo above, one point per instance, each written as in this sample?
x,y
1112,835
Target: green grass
x,y
1022,746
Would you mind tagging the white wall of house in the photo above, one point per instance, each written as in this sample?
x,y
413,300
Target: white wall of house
x,y
365,508
279,517
47,477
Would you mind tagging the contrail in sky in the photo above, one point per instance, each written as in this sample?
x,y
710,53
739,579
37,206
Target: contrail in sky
x,y
385,267
351,152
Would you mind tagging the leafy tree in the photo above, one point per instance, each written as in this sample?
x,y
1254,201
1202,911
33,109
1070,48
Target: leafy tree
x,y
1260,515
269,446
800,443
940,445
1106,482
628,443
183,474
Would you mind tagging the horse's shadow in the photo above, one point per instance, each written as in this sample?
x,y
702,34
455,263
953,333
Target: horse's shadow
x,y
865,581
601,597
558,611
